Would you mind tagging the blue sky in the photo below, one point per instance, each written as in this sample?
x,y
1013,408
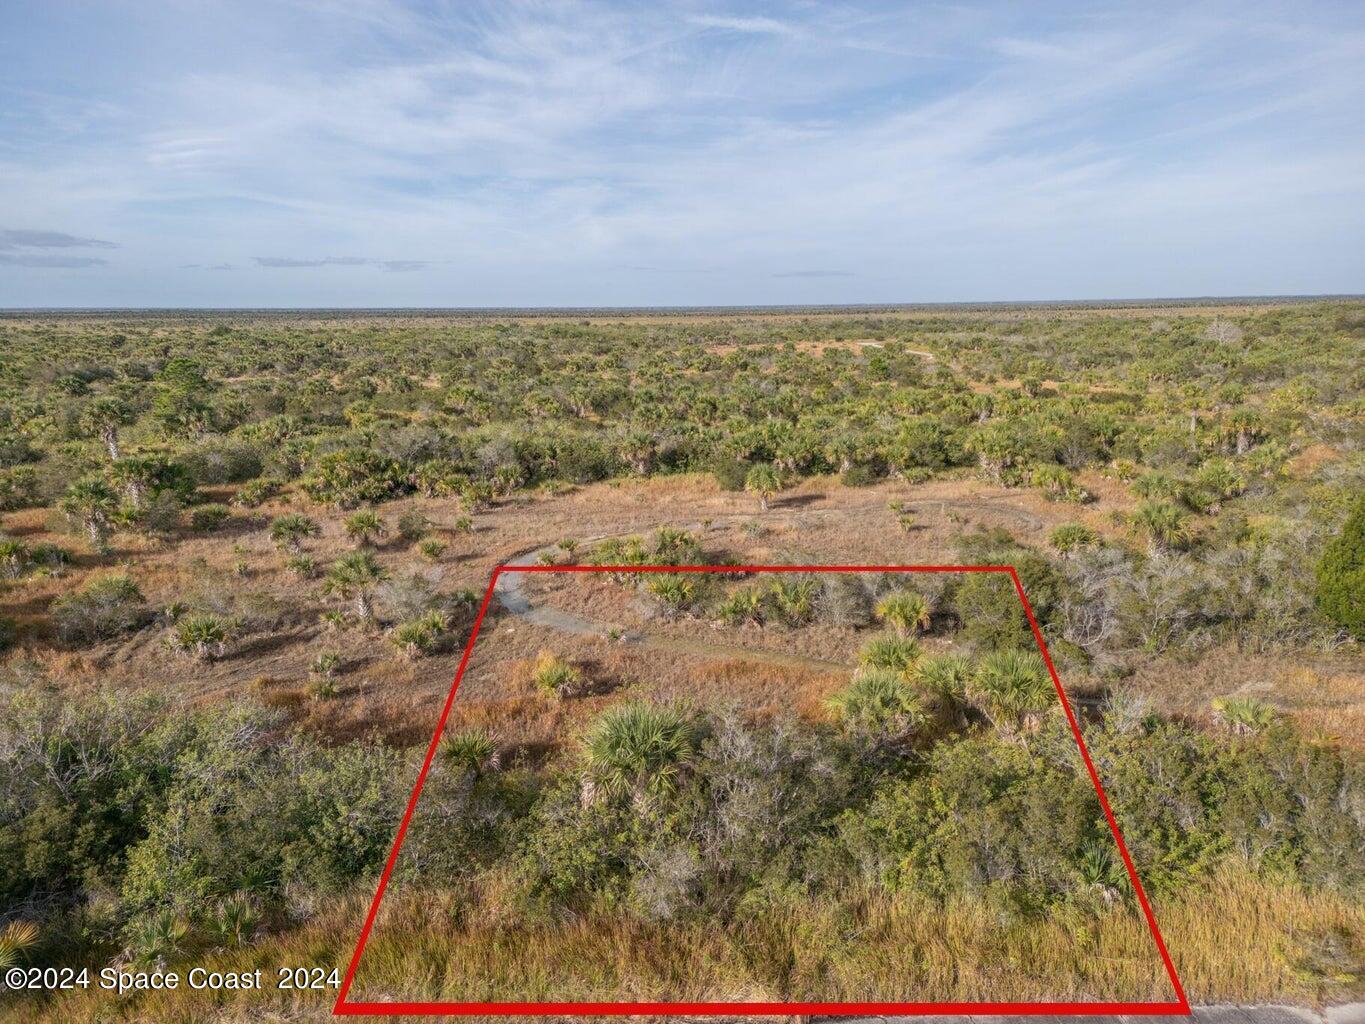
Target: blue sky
x,y
383,153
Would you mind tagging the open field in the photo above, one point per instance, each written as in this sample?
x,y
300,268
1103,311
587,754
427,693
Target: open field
x,y
241,555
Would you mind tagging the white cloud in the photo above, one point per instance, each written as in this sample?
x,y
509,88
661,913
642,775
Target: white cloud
x,y
756,26
524,152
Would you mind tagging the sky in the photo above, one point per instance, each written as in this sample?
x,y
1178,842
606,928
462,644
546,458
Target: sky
x,y
377,153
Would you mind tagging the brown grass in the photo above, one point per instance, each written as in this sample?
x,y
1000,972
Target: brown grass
x,y
1240,939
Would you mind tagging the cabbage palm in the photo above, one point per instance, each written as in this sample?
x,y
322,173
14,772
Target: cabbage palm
x,y
1163,523
364,527
1243,715
102,418
763,481
880,702
290,530
15,938
1012,688
640,749
944,678
472,752
92,504
354,577
893,653
906,610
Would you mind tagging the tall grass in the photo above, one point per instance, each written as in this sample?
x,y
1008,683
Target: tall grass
x,y
1239,938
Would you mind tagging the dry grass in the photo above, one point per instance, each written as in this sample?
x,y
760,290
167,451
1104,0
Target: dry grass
x,y
381,694
1239,938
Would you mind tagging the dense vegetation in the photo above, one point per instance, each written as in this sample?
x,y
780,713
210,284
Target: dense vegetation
x,y
145,829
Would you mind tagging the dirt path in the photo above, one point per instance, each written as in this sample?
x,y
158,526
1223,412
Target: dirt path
x,y
512,588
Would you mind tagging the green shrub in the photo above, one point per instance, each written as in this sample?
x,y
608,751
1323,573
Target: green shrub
x,y
641,750
555,676
881,703
257,492
729,474
354,476
891,652
49,559
859,476
208,517
101,610
203,637
413,526
420,636
18,488
1341,575
224,461
303,566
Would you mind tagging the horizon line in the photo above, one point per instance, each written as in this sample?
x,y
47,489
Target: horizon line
x,y
965,304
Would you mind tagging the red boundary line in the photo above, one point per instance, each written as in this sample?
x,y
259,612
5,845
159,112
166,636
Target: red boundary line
x,y
344,1007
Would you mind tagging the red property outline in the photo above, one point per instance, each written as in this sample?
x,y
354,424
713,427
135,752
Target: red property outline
x,y
343,1006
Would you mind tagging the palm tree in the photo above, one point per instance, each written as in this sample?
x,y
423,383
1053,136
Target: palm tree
x,y
881,702
102,418
471,753
1243,715
1243,426
906,610
92,504
640,749
140,475
945,678
763,481
1071,537
364,527
15,938
1012,688
1164,524
893,653
290,530
354,577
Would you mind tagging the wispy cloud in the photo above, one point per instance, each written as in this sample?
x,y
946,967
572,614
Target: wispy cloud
x,y
16,245
51,262
325,261
16,238
757,26
521,152
284,262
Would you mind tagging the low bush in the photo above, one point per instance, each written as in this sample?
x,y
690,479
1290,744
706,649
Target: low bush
x,y
420,636
204,518
555,676
203,637
104,608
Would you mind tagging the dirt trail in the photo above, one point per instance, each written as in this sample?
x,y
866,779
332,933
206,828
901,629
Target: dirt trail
x,y
512,590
